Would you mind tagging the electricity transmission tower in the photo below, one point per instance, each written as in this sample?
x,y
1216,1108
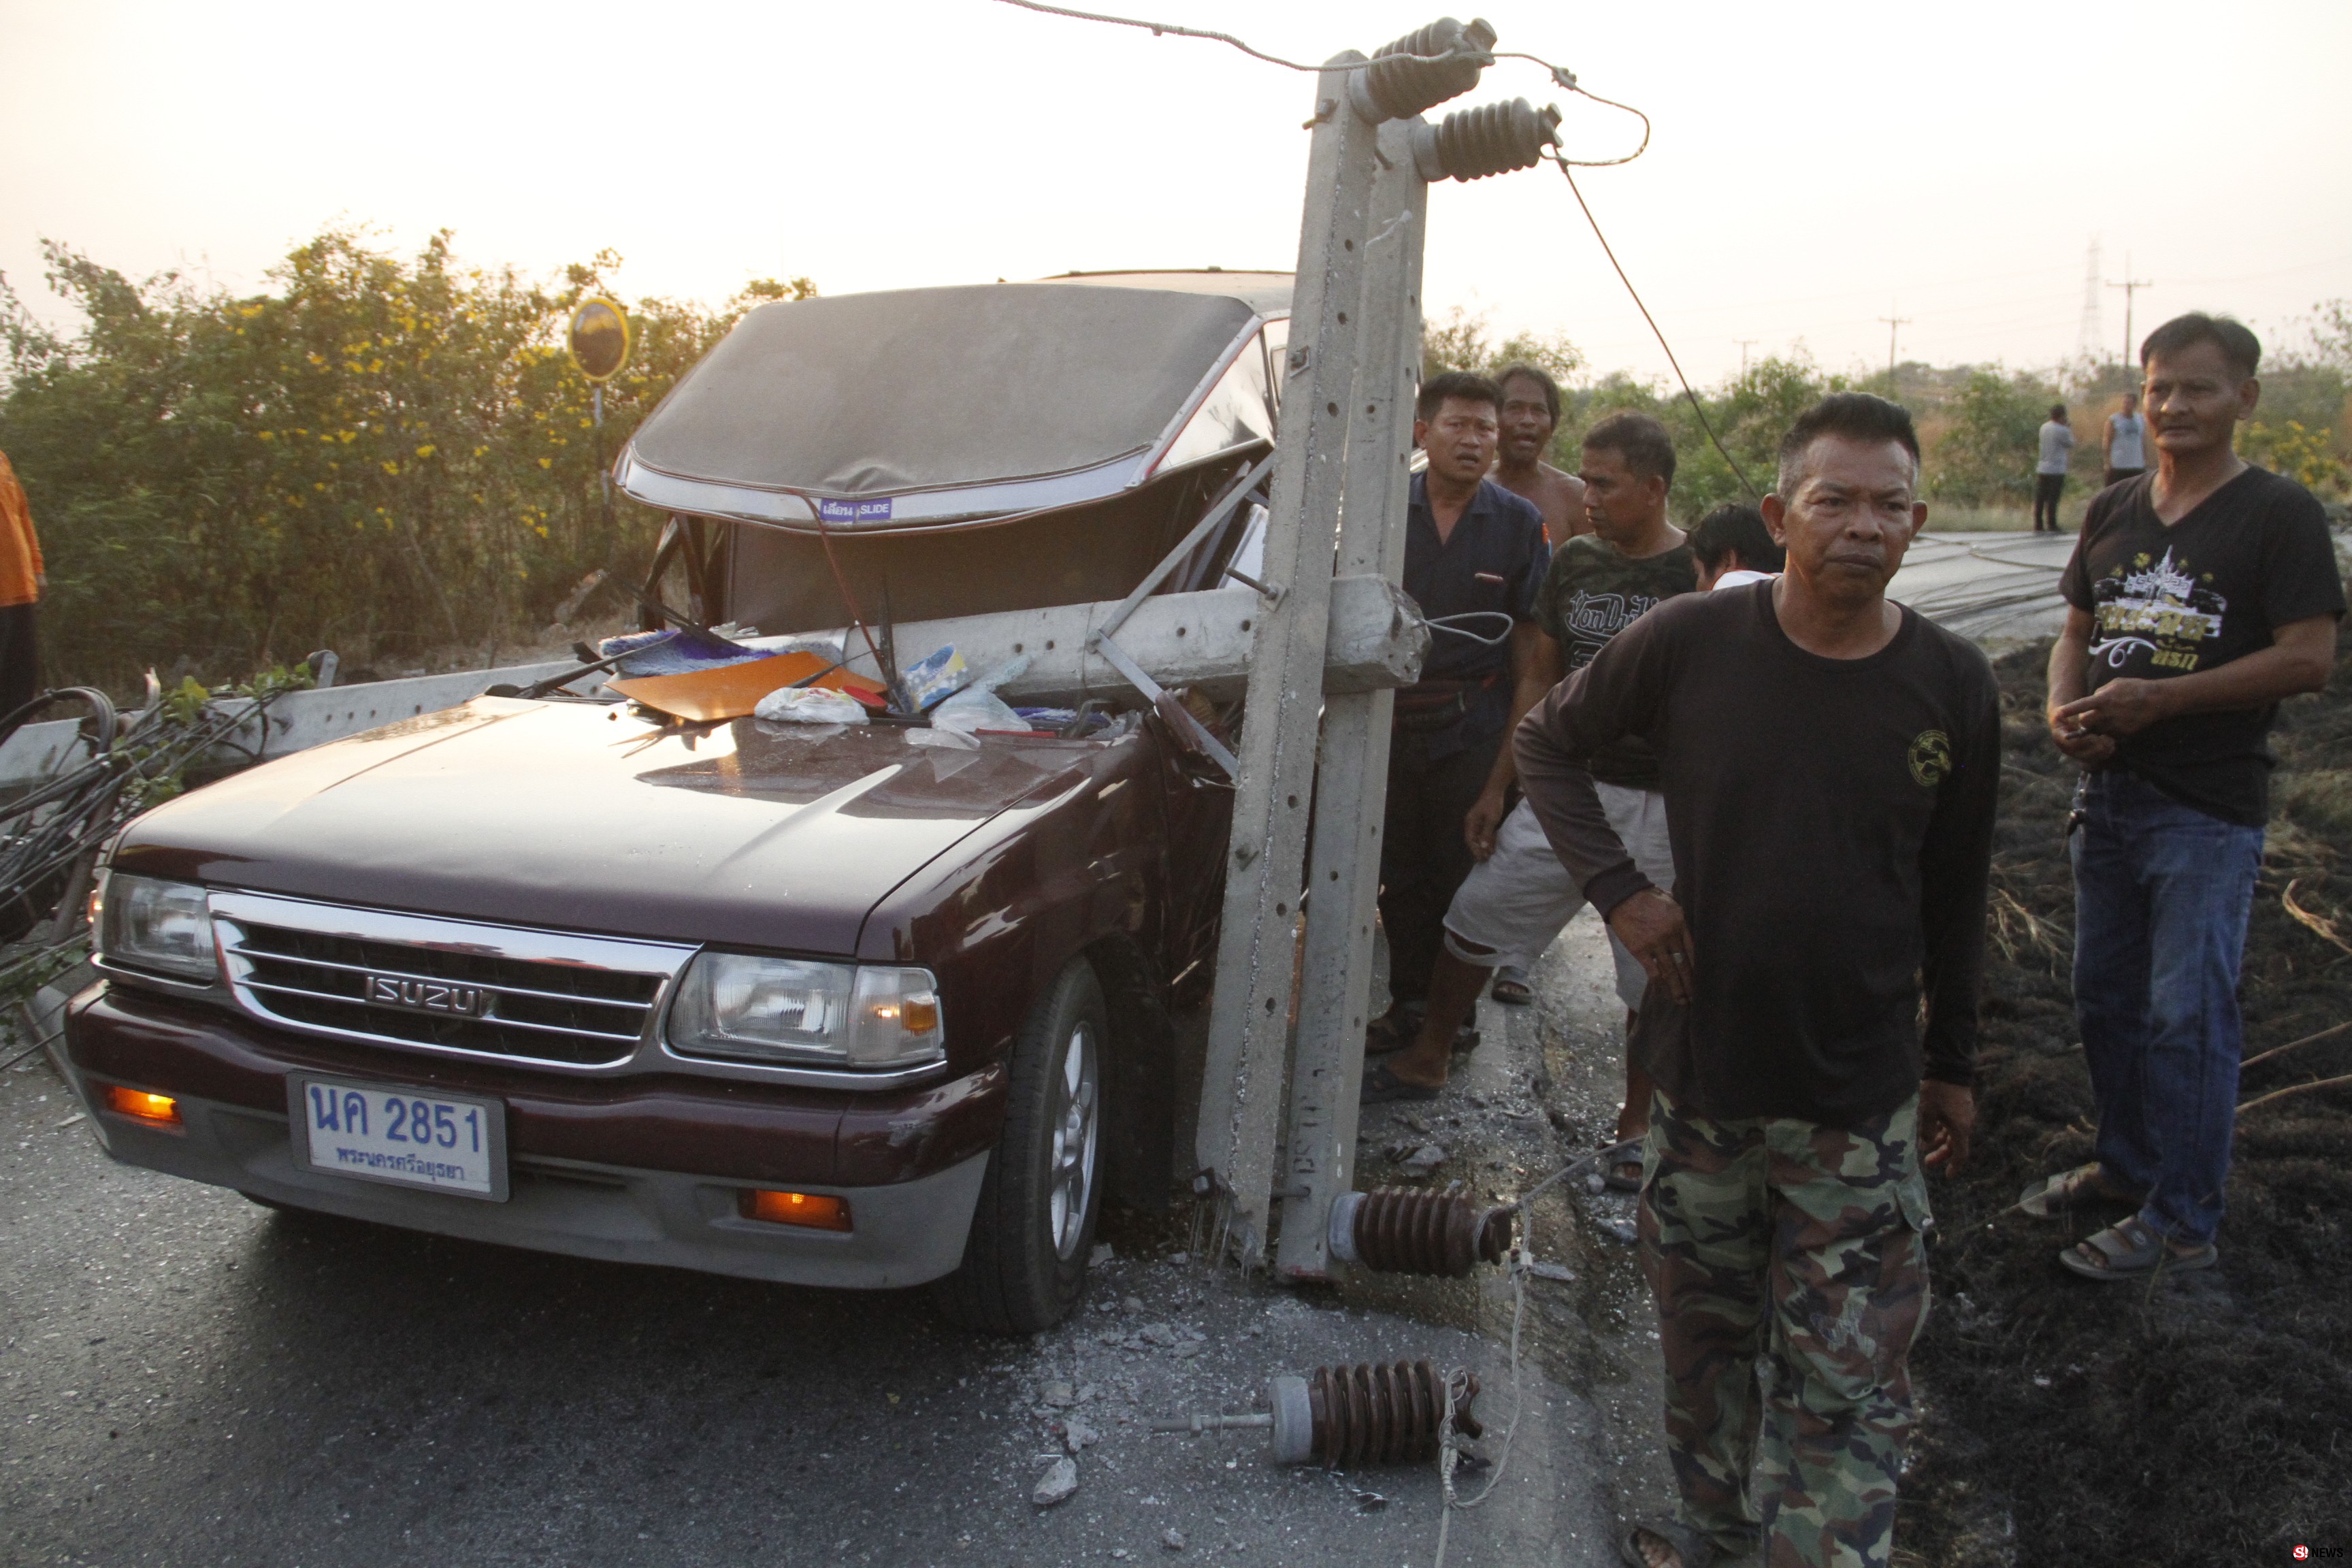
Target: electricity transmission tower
x,y
2089,345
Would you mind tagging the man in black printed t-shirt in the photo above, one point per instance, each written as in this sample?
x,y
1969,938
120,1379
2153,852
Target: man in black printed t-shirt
x,y
2200,594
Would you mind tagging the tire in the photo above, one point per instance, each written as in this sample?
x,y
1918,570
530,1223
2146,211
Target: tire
x,y
1025,1262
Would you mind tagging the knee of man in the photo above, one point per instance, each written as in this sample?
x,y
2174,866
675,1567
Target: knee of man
x,y
1468,952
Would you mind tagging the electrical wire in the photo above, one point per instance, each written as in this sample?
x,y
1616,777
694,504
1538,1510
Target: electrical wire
x,y
1158,29
848,600
1569,173
1449,1444
1567,78
1561,75
77,808
1444,624
28,1050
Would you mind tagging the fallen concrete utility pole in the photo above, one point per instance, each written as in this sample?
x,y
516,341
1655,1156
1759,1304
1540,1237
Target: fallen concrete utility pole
x,y
1373,639
1339,505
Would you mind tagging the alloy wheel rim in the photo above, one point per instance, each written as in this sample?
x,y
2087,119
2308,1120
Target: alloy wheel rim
x,y
1077,1103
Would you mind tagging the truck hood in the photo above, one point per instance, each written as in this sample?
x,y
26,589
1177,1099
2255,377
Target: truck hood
x,y
589,819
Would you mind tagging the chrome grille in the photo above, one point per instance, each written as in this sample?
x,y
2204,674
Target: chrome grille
x,y
551,996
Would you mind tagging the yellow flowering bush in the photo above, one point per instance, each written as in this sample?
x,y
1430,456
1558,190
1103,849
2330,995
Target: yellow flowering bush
x,y
346,460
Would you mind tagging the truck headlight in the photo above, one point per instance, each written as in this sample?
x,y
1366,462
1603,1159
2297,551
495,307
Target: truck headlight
x,y
163,926
752,1007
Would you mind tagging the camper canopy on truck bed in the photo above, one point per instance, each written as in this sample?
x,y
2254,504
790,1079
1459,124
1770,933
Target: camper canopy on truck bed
x,y
953,452
920,408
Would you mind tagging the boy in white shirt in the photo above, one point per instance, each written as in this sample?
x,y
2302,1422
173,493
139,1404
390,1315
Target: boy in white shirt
x,y
1731,546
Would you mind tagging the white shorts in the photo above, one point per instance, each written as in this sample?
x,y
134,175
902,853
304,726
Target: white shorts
x,y
1517,899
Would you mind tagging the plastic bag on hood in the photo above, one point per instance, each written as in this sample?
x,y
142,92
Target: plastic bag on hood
x,y
978,707
809,705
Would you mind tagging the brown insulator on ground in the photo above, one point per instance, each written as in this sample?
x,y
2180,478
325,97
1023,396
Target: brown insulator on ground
x,y
1366,1415
1399,1230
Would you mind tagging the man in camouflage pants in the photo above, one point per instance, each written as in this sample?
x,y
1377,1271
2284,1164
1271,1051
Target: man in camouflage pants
x,y
1830,763
1802,1242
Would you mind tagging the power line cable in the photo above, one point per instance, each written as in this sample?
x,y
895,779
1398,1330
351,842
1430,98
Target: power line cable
x,y
1696,407
1561,75
1567,78
1158,29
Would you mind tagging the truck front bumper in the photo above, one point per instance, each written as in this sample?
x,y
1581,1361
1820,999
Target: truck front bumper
x,y
225,1074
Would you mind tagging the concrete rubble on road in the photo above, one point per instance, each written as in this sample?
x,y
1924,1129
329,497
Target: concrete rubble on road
x,y
1059,1484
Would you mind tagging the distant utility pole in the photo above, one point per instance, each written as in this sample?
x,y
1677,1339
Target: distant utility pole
x,y
2088,346
1745,344
2130,286
1894,325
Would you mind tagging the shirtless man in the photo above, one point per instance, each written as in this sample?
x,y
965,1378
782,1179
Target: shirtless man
x,y
1530,415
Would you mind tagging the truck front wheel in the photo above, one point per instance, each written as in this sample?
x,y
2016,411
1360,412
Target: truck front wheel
x,y
1026,1260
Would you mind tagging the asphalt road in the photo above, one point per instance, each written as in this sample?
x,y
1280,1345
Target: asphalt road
x,y
1998,588
186,1378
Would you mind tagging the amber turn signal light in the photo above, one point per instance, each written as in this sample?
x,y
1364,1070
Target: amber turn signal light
x,y
811,1211
156,1109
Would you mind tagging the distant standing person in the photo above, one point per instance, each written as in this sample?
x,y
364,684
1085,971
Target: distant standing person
x,y
1530,416
1831,763
2050,471
2126,446
2199,596
22,578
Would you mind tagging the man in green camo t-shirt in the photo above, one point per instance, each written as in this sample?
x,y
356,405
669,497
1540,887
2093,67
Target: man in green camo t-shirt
x,y
1519,897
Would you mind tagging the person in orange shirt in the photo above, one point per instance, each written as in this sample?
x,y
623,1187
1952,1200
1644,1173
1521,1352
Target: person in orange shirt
x,y
22,578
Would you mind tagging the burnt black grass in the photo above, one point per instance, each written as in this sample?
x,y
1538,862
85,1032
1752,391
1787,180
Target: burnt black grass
x,y
2204,1418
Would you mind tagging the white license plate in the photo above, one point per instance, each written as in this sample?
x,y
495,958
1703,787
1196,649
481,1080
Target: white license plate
x,y
412,1137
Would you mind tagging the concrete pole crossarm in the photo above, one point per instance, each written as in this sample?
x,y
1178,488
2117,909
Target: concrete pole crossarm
x,y
1243,1077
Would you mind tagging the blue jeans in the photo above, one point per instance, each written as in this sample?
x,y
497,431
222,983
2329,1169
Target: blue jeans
x,y
2161,895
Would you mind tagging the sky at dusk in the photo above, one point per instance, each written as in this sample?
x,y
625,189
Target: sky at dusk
x,y
1815,166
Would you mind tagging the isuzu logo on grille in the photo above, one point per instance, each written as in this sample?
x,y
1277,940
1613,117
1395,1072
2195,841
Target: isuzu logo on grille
x,y
427,995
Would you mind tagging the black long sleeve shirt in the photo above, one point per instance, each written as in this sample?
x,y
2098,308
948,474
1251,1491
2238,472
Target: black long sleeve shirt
x,y
1833,836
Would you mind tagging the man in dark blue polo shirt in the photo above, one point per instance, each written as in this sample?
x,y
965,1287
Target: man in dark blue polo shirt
x,y
1470,546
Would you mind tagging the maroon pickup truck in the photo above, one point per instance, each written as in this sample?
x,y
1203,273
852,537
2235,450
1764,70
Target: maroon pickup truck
x,y
805,1003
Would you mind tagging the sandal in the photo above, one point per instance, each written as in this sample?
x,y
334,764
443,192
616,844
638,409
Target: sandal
x,y
2131,1250
1691,1550
2053,1195
1382,1038
1383,1087
1512,992
1389,1033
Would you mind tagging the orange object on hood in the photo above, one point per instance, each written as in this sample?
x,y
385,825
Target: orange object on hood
x,y
732,690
